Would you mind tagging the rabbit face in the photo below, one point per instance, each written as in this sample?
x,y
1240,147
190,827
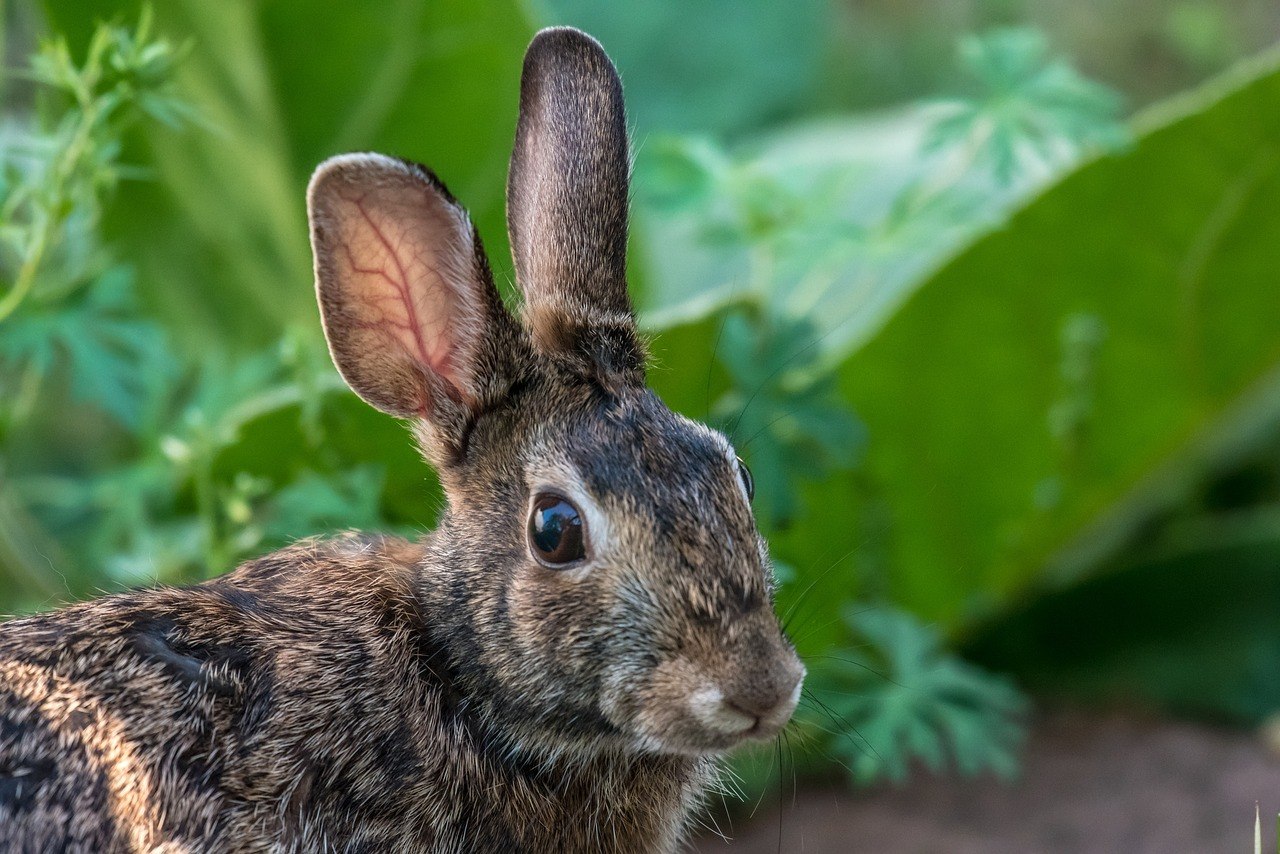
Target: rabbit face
x,y
611,587
645,583
597,573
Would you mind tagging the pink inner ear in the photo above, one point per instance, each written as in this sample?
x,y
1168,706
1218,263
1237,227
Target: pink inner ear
x,y
409,258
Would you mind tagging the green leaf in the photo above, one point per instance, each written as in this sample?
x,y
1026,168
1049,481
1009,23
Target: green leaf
x,y
676,173
1024,105
1169,248
835,221
1186,623
782,412
114,359
839,222
897,698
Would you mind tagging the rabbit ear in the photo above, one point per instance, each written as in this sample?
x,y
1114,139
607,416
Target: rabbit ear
x,y
567,204
413,320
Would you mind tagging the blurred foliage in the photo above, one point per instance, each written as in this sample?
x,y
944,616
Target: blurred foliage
x,y
675,74
899,698
1023,104
64,300
220,432
1137,314
781,411
838,223
952,369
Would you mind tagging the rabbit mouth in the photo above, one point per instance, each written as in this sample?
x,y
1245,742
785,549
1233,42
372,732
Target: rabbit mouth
x,y
745,715
717,716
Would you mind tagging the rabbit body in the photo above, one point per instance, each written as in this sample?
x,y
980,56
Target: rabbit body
x,y
553,669
300,703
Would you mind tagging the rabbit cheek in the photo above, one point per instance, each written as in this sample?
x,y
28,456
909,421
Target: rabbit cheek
x,y
551,615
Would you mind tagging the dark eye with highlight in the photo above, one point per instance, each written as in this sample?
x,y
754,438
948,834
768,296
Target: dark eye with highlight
x,y
748,480
556,532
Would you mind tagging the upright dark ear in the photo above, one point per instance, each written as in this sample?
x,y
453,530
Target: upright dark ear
x,y
567,204
413,320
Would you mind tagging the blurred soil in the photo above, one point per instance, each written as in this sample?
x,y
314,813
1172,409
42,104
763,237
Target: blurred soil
x,y
1089,784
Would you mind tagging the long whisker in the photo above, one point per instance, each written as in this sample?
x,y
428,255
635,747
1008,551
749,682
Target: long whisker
x,y
811,630
760,799
791,612
815,744
762,430
786,739
778,741
863,665
786,364
837,719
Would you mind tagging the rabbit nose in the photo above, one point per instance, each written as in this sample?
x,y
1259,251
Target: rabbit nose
x,y
767,701
757,705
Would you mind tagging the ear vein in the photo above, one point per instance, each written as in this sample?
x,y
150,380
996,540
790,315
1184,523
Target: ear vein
x,y
401,285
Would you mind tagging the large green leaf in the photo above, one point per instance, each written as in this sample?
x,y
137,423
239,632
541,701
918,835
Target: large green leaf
x,y
1190,629
1053,367
846,248
221,236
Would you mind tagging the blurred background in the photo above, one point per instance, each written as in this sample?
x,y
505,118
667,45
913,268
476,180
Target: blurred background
x,y
985,292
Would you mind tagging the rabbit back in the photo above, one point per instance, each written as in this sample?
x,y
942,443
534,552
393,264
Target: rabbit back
x,y
189,715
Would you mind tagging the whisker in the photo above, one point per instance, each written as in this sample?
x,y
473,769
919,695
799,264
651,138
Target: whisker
x,y
791,754
837,720
814,629
757,434
786,364
864,666
778,741
760,799
811,630
791,612
815,744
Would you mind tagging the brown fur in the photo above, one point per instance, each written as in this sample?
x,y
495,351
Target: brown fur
x,y
301,703
453,695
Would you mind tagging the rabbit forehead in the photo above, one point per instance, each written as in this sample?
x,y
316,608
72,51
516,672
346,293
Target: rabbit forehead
x,y
632,450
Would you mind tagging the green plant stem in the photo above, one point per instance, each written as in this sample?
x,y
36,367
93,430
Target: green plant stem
x,y
55,203
26,275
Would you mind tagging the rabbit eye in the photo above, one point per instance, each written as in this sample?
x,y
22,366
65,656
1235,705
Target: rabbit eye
x,y
748,480
556,536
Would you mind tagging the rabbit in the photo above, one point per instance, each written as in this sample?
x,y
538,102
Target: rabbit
x,y
557,667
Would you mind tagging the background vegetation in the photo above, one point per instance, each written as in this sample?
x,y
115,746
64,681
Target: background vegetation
x,y
997,338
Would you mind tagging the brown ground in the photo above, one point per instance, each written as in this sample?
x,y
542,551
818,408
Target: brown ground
x,y
1089,784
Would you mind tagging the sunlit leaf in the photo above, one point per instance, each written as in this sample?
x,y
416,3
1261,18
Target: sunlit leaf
x,y
1024,104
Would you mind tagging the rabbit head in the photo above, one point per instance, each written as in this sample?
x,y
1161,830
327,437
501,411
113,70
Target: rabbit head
x,y
596,578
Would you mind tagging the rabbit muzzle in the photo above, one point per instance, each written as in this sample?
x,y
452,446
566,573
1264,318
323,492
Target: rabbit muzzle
x,y
712,697
757,707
